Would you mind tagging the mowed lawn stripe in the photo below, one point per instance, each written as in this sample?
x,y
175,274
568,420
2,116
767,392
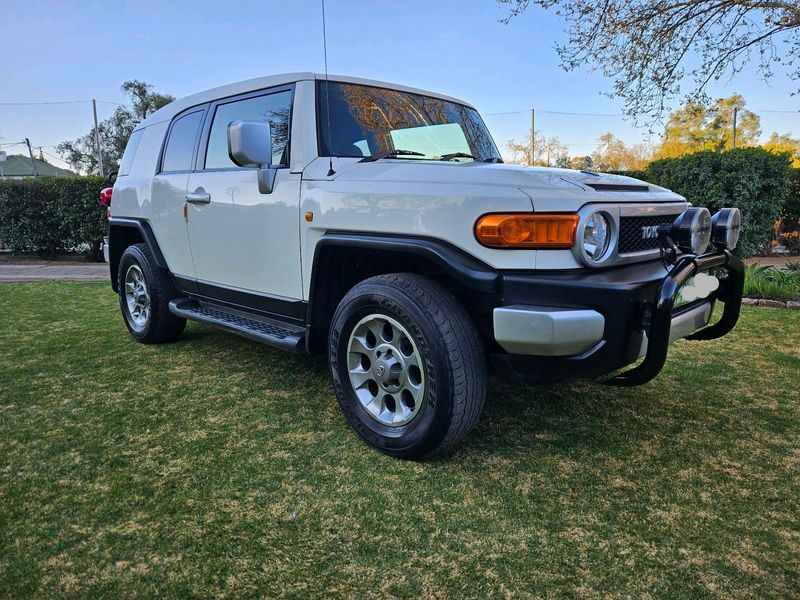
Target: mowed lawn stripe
x,y
218,467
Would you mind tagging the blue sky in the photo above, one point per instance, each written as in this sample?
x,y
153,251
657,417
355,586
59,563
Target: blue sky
x,y
57,51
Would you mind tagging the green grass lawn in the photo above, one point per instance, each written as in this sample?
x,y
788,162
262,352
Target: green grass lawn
x,y
219,467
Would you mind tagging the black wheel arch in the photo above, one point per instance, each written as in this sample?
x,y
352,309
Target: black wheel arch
x,y
343,259
124,232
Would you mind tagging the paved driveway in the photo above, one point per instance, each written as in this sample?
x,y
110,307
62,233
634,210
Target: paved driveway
x,y
44,270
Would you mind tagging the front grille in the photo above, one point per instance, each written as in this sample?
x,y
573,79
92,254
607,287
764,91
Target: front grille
x,y
630,233
618,187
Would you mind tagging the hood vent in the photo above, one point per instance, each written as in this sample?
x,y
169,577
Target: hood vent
x,y
617,187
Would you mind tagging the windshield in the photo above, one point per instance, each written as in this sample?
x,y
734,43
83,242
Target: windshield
x,y
366,120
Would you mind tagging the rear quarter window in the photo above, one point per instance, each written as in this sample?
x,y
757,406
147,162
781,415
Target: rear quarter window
x,y
130,153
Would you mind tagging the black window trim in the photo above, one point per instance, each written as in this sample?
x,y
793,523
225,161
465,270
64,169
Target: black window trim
x,y
198,108
202,146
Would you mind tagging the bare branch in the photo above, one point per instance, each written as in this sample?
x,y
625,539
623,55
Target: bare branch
x,y
644,45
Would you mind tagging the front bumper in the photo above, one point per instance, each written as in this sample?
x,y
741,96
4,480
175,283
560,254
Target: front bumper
x,y
591,324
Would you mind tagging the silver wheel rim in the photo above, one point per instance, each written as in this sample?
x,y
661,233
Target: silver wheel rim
x,y
386,370
137,297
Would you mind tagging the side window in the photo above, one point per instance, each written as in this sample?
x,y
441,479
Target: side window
x,y
130,152
180,145
274,109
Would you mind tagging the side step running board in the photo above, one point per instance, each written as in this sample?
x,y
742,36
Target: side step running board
x,y
255,327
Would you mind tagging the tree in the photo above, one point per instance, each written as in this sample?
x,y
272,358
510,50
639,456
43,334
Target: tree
x,y
549,152
651,47
784,144
81,154
697,126
612,154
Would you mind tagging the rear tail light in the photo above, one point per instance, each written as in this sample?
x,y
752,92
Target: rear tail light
x,y
543,231
105,199
105,196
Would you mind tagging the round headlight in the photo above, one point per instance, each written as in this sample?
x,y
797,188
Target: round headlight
x,y
596,236
691,231
725,226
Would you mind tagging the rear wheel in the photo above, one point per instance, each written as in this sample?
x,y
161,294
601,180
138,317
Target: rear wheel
x,y
407,365
144,295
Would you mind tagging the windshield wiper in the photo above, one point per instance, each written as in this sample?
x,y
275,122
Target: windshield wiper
x,y
389,153
453,155
493,159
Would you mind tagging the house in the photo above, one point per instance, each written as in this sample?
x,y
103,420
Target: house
x,y
17,166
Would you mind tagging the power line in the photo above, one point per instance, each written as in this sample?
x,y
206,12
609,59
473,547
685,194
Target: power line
x,y
554,112
56,102
580,114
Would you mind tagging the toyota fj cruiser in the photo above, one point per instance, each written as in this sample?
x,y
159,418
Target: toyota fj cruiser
x,y
377,224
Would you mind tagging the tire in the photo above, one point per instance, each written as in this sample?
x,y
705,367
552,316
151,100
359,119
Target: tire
x,y
439,402
156,325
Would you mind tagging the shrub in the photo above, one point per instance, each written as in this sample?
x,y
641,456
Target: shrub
x,y
752,179
52,214
791,211
772,283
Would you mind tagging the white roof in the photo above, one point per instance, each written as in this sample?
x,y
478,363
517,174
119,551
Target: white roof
x,y
258,83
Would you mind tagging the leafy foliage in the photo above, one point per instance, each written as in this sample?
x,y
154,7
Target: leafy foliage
x,y
114,131
783,142
698,126
752,179
772,283
651,47
613,154
791,210
52,214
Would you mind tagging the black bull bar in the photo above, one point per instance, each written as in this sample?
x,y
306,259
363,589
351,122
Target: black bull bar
x,y
658,333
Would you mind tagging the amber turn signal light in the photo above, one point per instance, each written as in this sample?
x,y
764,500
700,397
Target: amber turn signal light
x,y
542,231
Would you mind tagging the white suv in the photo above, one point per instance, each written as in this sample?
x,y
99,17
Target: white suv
x,y
376,223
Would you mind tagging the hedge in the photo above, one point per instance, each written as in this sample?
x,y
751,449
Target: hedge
x,y
49,215
791,211
756,181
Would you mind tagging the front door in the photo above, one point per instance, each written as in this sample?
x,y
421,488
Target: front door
x,y
243,240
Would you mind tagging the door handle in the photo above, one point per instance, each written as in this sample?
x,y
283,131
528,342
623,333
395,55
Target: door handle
x,y
198,197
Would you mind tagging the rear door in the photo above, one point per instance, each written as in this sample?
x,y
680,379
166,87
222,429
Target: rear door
x,y
169,191
243,240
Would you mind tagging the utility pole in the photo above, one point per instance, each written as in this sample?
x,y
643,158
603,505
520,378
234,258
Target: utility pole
x,y
34,172
97,137
533,135
735,115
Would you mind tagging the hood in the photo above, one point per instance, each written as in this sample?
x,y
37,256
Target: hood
x,y
550,189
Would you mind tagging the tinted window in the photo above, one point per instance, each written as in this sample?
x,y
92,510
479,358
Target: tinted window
x,y
274,109
130,152
180,146
365,120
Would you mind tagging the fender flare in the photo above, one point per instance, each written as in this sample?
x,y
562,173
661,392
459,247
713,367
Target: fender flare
x,y
115,248
462,267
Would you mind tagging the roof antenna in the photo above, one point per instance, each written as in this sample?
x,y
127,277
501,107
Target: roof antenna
x,y
327,92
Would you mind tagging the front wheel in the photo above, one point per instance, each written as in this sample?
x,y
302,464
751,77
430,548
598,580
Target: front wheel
x,y
407,365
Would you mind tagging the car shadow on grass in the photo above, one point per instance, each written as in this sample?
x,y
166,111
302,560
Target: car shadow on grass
x,y
518,418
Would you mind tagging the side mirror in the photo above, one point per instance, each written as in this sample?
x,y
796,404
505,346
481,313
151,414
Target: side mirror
x,y
250,145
